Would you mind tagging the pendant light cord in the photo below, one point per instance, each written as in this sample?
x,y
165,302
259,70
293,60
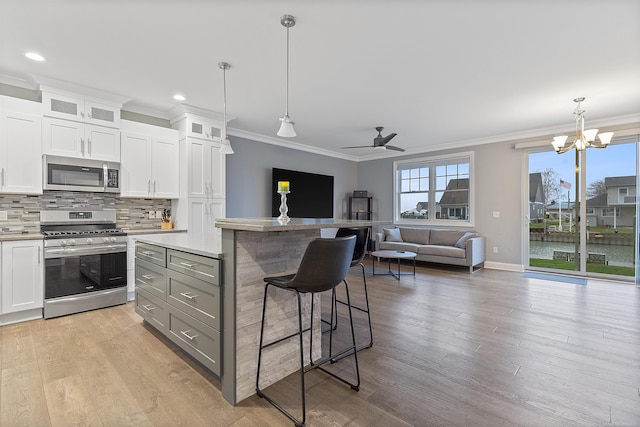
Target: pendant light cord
x,y
286,105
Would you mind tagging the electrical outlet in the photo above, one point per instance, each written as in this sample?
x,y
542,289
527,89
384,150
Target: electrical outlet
x,y
496,214
159,214
495,249
4,216
152,214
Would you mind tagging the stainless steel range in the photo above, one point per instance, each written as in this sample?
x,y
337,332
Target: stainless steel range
x,y
85,261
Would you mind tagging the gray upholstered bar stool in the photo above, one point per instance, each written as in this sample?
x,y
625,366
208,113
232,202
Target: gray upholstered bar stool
x,y
324,266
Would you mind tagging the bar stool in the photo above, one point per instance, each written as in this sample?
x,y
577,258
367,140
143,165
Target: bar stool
x,y
324,266
360,250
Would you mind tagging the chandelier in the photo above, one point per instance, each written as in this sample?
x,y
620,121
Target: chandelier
x,y
584,138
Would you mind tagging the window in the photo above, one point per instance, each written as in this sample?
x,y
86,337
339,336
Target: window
x,y
610,211
591,211
432,190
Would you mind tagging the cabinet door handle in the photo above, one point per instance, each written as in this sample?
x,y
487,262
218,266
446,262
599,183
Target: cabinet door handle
x,y
88,145
82,145
188,296
149,253
187,264
155,186
148,307
39,249
186,334
147,276
2,177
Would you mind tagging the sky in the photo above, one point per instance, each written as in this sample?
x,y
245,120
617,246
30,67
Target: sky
x,y
615,160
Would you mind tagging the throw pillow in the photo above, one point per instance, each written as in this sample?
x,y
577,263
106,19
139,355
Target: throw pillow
x,y
392,235
462,241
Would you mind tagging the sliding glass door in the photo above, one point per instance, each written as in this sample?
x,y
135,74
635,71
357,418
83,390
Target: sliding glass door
x,y
597,186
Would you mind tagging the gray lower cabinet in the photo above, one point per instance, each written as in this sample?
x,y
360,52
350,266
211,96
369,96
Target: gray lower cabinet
x,y
179,294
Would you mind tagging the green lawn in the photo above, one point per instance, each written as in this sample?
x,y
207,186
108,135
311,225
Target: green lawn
x,y
591,268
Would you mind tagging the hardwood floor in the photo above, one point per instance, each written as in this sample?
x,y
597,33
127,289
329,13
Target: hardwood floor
x,y
488,349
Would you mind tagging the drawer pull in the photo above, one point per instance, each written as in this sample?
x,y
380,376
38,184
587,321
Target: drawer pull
x,y
148,307
186,264
188,296
148,276
186,335
148,253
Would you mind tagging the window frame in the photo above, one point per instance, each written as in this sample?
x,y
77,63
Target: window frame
x,y
432,162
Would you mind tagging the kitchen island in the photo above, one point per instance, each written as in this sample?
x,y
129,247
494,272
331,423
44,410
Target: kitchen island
x,y
254,248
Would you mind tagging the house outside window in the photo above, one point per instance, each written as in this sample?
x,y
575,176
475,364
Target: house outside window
x,y
434,190
591,211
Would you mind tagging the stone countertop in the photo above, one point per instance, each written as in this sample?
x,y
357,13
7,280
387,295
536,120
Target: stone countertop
x,y
294,224
186,242
11,237
137,231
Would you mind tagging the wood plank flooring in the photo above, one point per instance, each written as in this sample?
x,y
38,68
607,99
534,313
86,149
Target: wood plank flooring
x,y
450,349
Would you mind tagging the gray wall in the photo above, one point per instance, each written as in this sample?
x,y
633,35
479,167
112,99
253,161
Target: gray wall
x,y
498,177
249,176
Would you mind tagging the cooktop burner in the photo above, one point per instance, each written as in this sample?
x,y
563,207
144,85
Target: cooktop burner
x,y
68,233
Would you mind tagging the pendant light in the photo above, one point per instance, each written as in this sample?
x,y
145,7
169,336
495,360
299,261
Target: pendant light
x,y
584,138
225,148
286,125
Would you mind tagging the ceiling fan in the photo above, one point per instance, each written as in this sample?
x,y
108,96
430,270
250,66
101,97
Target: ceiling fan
x,y
380,142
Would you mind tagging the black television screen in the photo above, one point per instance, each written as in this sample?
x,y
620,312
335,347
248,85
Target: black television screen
x,y
311,194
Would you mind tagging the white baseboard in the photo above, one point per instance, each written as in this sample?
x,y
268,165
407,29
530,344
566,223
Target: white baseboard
x,y
21,316
503,266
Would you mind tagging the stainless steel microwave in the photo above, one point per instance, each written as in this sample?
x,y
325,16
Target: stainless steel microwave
x,y
71,174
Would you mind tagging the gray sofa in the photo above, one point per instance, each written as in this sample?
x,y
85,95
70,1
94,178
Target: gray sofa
x,y
446,246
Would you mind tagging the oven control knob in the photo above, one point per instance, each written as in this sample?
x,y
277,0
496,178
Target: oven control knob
x,y
89,241
63,243
72,242
105,239
112,239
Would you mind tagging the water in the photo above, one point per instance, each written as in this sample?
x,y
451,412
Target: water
x,y
615,255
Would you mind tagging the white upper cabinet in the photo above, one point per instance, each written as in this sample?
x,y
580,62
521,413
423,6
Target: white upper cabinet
x,y
206,170
200,127
81,127
80,110
149,162
74,139
20,147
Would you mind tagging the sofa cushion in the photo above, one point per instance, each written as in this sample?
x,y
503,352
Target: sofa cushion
x,y
445,237
437,250
399,246
462,241
415,235
392,235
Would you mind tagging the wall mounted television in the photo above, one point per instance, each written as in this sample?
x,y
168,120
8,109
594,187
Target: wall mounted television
x,y
311,194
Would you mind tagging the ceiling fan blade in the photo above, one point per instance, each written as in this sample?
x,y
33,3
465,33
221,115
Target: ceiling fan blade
x,y
360,146
391,147
388,138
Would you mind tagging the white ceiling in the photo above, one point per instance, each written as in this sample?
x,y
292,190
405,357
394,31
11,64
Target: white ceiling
x,y
438,73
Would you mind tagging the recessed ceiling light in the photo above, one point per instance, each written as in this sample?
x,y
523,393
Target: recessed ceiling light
x,y
179,97
34,56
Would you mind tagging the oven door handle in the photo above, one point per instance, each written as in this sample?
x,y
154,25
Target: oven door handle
x,y
94,250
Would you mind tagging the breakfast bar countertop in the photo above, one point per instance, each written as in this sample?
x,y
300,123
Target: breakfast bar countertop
x,y
294,224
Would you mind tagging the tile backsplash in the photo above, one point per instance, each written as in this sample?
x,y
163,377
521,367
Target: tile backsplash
x,y
23,212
